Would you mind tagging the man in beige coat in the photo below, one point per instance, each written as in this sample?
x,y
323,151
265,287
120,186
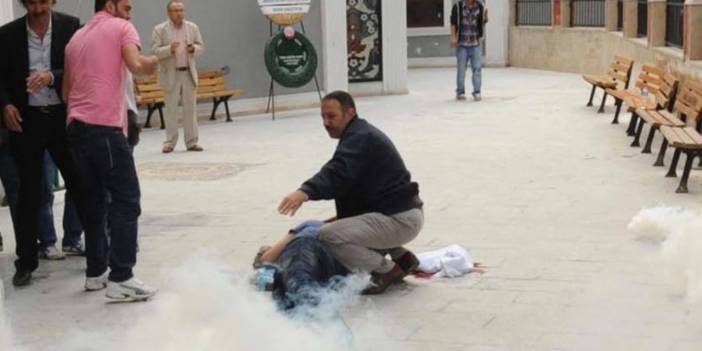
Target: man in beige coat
x,y
177,43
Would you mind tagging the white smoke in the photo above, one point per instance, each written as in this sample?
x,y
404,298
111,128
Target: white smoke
x,y
6,342
205,306
679,232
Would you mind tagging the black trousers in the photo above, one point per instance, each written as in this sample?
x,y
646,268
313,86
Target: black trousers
x,y
43,129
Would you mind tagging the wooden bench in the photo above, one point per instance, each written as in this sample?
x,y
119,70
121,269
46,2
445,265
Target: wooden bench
x,y
650,79
617,76
687,140
212,87
686,109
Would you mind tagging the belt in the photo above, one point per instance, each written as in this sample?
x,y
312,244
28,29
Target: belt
x,y
182,69
46,109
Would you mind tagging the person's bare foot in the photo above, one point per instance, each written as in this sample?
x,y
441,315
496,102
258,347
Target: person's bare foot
x,y
167,148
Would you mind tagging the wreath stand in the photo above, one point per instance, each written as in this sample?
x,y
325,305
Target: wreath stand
x,y
270,105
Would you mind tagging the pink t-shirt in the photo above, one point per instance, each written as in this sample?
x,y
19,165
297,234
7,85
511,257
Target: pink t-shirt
x,y
97,71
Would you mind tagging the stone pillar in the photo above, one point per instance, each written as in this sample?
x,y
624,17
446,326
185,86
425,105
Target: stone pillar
x,y
334,50
656,23
631,12
692,32
565,13
611,15
394,34
6,11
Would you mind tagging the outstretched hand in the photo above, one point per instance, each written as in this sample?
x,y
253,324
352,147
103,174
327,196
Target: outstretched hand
x,y
292,203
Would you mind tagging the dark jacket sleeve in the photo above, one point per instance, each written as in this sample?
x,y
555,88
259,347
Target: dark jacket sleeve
x,y
454,15
4,78
340,174
72,25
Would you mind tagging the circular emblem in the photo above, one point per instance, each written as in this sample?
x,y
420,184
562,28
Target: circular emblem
x,y
291,62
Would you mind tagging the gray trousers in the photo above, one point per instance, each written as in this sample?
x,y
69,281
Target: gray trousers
x,y
360,243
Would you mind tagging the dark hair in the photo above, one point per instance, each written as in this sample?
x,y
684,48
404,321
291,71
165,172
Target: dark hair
x,y
100,4
24,2
343,98
171,2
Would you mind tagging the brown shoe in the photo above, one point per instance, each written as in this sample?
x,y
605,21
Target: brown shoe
x,y
380,282
167,148
196,148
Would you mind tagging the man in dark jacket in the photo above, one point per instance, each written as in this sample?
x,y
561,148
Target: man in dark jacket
x,y
32,109
378,208
468,18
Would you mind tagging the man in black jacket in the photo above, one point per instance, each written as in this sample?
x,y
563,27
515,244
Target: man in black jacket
x,y
32,109
378,208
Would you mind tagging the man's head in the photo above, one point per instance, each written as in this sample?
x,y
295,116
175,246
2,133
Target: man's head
x,y
176,12
117,8
338,109
38,8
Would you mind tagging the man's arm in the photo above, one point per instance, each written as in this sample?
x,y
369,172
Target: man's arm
x,y
335,179
198,44
72,25
160,48
66,85
137,63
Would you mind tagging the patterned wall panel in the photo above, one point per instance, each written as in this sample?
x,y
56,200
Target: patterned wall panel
x,y
364,39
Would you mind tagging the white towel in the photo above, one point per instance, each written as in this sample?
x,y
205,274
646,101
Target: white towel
x,y
451,262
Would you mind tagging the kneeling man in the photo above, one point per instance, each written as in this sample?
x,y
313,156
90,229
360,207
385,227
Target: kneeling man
x,y
378,208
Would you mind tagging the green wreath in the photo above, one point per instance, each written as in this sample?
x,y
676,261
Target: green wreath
x,y
291,62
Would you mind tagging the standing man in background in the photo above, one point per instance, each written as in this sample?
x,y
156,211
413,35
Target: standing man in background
x,y
468,18
177,43
97,60
31,74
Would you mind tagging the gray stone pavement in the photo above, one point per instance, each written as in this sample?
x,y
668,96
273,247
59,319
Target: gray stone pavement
x,y
537,186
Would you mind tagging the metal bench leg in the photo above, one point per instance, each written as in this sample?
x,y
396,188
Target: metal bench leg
x,y
160,115
149,111
661,154
649,140
592,95
682,188
226,108
215,105
631,131
616,113
637,136
672,172
604,99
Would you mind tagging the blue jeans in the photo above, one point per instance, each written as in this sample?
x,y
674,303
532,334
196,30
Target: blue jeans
x,y
474,55
112,196
71,224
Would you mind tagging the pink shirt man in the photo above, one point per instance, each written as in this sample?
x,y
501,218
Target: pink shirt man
x,y
181,54
97,71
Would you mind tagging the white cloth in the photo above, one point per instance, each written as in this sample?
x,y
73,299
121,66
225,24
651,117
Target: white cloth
x,y
451,262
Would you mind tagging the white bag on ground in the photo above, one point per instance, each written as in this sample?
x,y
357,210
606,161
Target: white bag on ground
x,y
452,261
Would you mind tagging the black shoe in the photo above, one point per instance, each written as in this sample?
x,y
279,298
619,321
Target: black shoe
x,y
1,247
21,278
408,262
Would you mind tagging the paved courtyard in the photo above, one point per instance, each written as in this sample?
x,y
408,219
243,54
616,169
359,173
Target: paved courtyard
x,y
538,187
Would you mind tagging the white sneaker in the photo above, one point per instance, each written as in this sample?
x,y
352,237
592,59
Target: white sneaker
x,y
51,253
96,283
132,289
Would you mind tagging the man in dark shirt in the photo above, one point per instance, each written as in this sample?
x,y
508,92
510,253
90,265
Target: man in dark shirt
x,y
468,18
378,208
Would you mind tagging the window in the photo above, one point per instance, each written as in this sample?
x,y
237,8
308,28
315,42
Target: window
x,y
620,15
674,23
642,29
428,17
533,12
587,13
425,13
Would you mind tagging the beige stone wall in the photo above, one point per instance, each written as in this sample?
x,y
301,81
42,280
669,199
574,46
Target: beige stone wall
x,y
584,50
